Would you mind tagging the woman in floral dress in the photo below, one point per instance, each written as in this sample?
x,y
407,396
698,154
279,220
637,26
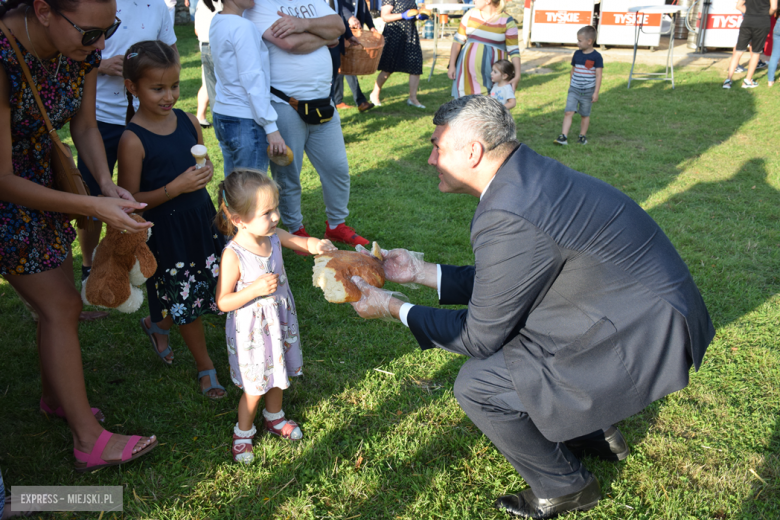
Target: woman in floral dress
x,y
35,255
485,36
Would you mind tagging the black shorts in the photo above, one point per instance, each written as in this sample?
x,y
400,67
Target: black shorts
x,y
755,36
111,135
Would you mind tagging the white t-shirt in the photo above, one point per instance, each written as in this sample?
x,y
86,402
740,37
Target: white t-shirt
x,y
203,17
140,21
502,94
242,69
302,76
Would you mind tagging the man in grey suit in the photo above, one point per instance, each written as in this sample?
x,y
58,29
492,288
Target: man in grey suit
x,y
580,311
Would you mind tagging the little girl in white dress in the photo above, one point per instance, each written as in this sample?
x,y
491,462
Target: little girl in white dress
x,y
262,325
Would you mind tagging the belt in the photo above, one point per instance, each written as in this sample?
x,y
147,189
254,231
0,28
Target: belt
x,y
204,43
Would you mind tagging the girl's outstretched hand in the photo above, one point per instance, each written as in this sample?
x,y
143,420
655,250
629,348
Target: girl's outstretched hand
x,y
321,246
113,211
265,284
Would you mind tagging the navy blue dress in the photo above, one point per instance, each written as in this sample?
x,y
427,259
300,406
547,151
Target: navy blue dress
x,y
184,240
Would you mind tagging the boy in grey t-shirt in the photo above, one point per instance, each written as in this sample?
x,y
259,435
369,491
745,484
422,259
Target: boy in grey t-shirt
x,y
587,66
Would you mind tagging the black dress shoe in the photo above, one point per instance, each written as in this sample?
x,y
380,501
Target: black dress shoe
x,y
612,446
526,505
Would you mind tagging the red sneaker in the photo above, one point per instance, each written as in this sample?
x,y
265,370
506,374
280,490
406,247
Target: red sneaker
x,y
344,233
302,233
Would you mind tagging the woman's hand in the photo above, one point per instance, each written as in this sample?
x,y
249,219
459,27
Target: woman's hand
x,y
451,71
265,284
275,141
109,189
113,211
194,179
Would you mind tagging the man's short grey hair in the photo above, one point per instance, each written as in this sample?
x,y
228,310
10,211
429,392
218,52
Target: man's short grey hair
x,y
477,118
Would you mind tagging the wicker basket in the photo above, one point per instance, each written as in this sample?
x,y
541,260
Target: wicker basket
x,y
362,59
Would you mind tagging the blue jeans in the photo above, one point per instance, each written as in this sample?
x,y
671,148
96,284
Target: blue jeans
x,y
772,67
243,143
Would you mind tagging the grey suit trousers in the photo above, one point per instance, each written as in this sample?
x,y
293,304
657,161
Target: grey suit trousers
x,y
485,391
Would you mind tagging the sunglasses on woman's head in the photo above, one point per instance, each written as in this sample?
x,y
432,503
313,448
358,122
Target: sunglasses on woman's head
x,y
91,36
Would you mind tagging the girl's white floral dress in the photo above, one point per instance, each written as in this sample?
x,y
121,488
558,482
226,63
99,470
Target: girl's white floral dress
x,y
263,344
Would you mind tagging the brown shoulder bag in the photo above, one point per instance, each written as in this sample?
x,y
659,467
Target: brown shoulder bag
x,y
67,176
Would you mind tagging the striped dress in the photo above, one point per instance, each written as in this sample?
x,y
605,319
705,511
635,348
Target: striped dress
x,y
484,43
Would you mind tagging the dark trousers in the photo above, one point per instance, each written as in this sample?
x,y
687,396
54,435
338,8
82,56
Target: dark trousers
x,y
337,89
485,391
111,135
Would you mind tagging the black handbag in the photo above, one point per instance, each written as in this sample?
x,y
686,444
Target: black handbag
x,y
313,111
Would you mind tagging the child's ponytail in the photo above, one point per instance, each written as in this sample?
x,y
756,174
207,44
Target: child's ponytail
x,y
222,220
130,108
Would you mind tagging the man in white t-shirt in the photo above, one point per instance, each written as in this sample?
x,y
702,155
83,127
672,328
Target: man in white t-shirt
x,y
149,20
297,33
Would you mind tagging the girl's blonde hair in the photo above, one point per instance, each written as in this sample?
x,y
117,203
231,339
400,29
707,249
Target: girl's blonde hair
x,y
238,195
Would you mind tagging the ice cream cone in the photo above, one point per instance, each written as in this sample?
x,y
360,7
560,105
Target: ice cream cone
x,y
199,152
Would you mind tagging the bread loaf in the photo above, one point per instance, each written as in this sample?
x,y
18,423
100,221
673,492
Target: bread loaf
x,y
333,274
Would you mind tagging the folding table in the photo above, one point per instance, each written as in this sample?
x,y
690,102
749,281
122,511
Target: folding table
x,y
674,11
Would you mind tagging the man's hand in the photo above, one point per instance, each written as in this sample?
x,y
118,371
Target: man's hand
x,y
353,23
112,66
376,303
287,25
402,266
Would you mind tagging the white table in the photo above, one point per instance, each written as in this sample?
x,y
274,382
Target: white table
x,y
674,11
437,9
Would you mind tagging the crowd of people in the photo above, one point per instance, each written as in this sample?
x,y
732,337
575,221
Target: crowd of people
x,y
271,76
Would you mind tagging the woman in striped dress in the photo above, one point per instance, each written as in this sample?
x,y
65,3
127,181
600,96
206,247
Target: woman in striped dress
x,y
486,35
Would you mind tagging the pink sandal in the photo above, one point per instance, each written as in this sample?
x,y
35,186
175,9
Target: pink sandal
x,y
242,447
286,431
93,460
59,412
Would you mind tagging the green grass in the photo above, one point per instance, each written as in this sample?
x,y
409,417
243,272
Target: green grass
x,y
702,161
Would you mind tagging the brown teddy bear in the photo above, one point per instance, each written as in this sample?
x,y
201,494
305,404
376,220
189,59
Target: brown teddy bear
x,y
121,261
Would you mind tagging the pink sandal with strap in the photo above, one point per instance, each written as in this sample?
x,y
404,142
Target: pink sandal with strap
x,y
286,431
59,412
93,460
242,447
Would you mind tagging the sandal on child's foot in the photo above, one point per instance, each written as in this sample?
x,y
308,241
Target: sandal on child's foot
x,y
59,412
154,329
212,385
276,424
242,445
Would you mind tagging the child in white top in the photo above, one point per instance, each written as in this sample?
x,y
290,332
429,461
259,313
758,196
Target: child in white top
x,y
501,74
243,89
262,324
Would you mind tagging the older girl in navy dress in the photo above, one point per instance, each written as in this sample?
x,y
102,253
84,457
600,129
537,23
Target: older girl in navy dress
x,y
156,165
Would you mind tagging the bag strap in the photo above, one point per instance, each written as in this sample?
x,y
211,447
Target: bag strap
x,y
281,95
20,58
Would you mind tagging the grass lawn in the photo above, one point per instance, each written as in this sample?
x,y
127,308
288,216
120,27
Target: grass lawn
x,y
393,443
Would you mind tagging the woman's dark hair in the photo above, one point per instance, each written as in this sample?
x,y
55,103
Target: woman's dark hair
x,y
142,56
505,67
57,5
210,4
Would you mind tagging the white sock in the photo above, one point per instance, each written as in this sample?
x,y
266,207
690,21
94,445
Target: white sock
x,y
296,433
245,434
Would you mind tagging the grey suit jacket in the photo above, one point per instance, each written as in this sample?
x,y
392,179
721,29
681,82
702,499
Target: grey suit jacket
x,y
596,313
